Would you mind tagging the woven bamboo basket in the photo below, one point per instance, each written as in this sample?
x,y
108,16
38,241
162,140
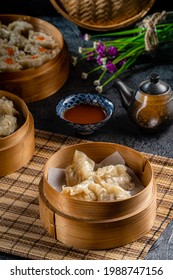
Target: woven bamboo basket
x,y
94,224
17,148
37,83
103,15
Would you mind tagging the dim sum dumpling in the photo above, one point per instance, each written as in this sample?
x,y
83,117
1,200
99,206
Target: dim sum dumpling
x,y
5,49
8,119
80,169
87,190
29,61
4,32
114,174
19,26
8,124
9,64
17,40
37,49
42,39
7,107
90,190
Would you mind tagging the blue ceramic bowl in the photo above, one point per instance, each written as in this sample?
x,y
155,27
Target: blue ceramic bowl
x,y
85,98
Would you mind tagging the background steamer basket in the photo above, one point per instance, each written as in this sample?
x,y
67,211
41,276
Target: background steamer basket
x,y
103,15
37,83
98,225
17,148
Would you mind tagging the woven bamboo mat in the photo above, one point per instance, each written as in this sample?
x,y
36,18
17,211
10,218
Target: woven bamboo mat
x,y
21,231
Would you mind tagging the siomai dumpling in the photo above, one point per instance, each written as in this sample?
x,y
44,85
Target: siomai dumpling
x,y
20,26
42,39
80,169
9,64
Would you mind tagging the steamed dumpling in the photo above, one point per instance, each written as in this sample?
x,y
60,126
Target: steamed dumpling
x,y
87,190
84,181
80,169
21,47
8,119
114,175
19,26
8,124
42,39
91,190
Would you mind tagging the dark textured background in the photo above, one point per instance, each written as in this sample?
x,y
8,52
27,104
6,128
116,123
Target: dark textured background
x,y
120,129
45,8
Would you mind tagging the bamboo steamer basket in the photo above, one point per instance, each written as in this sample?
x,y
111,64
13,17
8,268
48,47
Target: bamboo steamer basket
x,y
17,148
94,224
37,83
103,15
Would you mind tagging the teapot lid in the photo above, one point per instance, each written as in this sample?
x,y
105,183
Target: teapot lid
x,y
154,85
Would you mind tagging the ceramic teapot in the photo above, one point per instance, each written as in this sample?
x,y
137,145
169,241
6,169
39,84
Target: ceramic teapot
x,y
151,105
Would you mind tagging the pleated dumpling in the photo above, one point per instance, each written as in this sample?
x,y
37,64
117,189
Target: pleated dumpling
x,y
87,190
8,117
114,175
80,169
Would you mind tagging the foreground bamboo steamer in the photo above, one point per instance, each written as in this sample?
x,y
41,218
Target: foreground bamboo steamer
x,y
17,148
98,225
37,83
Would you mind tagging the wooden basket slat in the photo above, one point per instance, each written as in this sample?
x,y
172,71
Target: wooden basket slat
x,y
103,15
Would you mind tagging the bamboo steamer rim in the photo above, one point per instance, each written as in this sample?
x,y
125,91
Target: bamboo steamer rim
x,y
99,27
143,206
7,142
7,18
92,203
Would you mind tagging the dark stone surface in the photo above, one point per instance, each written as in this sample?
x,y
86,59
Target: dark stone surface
x,y
120,129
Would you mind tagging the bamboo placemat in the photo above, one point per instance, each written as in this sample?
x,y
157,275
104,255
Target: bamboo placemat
x,y
21,231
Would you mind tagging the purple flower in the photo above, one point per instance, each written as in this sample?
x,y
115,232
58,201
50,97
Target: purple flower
x,y
101,49
99,62
90,55
111,68
99,59
112,51
121,63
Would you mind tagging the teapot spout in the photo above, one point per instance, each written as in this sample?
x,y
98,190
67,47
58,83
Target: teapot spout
x,y
125,91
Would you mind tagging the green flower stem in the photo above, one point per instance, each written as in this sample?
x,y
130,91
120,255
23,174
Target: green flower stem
x,y
94,69
122,69
130,44
102,75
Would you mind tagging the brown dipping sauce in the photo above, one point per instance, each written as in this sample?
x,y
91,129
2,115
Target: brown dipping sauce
x,y
85,114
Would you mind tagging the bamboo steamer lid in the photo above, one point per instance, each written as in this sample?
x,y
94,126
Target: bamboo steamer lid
x,y
37,83
103,15
98,224
17,148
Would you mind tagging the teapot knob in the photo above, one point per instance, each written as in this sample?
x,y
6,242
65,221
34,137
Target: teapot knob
x,y
154,78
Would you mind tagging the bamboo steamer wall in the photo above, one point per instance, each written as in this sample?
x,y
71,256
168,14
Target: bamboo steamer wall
x,y
98,225
37,83
17,148
103,15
